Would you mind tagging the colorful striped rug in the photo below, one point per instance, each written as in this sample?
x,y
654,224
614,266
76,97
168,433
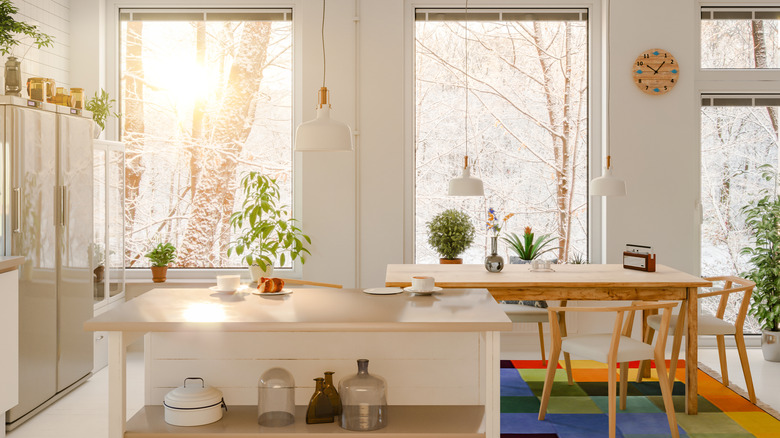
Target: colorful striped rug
x,y
581,410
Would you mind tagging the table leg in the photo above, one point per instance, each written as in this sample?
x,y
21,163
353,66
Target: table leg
x,y
566,357
117,377
492,384
692,353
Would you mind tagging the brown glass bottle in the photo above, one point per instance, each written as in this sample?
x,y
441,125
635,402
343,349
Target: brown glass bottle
x,y
332,394
320,409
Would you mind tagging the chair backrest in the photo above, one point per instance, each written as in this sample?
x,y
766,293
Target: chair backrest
x,y
732,285
621,328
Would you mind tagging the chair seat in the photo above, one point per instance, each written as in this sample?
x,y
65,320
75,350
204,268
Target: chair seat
x,y
522,313
596,347
708,325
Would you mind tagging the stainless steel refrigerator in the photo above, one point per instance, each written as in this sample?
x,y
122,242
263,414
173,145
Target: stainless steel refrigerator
x,y
47,218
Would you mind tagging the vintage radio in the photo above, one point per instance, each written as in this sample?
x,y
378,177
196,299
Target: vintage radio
x,y
639,257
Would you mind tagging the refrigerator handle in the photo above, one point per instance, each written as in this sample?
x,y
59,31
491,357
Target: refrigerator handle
x,y
17,206
63,205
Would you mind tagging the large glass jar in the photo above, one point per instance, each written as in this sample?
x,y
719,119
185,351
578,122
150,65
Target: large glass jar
x,y
276,398
364,400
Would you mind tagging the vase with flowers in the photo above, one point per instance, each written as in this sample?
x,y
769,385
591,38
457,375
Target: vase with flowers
x,y
493,261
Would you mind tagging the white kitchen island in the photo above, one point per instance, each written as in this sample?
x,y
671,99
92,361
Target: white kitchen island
x,y
439,355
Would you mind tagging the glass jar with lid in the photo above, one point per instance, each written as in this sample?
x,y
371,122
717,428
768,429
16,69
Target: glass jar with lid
x,y
363,399
276,398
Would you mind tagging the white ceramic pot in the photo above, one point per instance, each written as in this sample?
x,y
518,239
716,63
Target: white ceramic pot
x,y
255,272
193,405
770,345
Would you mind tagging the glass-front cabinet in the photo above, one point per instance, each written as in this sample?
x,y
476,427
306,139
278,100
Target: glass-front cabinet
x,y
108,246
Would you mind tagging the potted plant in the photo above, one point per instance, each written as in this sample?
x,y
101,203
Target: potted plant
x,y
526,247
101,106
762,219
265,232
450,233
10,29
161,256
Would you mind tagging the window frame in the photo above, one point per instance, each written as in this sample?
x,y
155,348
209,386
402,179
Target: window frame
x,y
596,23
113,86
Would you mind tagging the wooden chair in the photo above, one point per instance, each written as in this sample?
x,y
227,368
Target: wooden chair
x,y
521,313
714,325
612,349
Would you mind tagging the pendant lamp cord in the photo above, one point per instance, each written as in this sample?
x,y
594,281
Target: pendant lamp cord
x,y
606,75
322,33
466,17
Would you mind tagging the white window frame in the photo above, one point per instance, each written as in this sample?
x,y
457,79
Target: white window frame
x,y
596,46
112,30
726,81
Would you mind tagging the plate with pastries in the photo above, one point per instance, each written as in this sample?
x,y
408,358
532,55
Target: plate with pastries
x,y
271,286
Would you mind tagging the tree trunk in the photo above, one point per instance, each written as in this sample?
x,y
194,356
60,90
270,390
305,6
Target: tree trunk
x,y
133,134
759,56
213,200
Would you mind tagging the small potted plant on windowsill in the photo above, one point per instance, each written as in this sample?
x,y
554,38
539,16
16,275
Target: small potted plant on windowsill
x,y
450,233
101,107
266,233
161,256
762,219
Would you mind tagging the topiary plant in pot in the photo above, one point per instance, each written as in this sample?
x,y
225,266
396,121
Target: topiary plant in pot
x,y
161,256
450,233
266,234
101,108
762,219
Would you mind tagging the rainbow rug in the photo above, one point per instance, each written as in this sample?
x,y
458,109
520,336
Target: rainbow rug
x,y
580,411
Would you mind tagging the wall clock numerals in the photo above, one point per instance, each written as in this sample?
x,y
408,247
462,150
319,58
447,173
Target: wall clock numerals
x,y
655,71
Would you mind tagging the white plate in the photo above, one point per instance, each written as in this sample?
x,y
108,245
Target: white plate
x,y
223,291
271,294
383,290
422,292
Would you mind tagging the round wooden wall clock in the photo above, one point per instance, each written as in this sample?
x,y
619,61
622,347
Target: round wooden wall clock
x,y
656,71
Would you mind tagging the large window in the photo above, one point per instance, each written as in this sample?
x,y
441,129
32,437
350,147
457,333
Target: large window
x,y
206,96
740,38
739,138
527,123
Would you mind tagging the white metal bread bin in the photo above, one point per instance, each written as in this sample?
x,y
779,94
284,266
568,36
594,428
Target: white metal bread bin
x,y
193,405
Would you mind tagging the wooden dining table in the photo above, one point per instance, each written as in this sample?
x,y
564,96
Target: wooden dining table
x,y
577,282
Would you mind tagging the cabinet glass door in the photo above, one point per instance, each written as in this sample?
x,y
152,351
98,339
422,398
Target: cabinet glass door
x,y
99,237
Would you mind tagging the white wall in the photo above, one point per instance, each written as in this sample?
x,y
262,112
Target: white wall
x,y
52,18
357,206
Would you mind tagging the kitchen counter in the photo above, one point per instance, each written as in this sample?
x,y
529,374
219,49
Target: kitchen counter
x,y
10,263
439,355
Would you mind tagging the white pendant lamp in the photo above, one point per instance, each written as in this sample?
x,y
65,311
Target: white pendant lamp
x,y
323,133
466,185
607,184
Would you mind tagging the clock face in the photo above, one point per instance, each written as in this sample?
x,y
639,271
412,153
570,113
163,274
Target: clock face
x,y
656,71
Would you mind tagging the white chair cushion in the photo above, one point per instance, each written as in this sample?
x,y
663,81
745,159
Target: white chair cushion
x,y
521,313
708,325
596,347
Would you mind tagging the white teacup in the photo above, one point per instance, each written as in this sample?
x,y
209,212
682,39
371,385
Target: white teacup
x,y
422,283
228,282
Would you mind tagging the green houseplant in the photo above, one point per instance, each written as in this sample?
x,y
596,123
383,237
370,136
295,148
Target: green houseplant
x,y
101,106
265,232
762,219
450,233
526,247
162,255
10,31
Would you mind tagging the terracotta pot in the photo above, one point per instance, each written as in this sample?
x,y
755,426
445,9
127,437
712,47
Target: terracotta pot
x,y
98,273
159,273
451,261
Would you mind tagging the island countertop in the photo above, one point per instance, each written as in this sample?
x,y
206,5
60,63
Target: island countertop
x,y
305,309
9,263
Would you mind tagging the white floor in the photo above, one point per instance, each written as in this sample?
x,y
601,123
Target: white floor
x,y
84,413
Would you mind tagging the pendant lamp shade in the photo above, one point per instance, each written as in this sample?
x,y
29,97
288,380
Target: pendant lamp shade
x,y
466,185
323,133
607,185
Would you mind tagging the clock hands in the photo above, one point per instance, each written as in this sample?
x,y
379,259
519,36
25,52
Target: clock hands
x,y
659,67
651,68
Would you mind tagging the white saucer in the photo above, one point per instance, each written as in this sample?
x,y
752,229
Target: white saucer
x,y
271,294
383,290
223,291
422,292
